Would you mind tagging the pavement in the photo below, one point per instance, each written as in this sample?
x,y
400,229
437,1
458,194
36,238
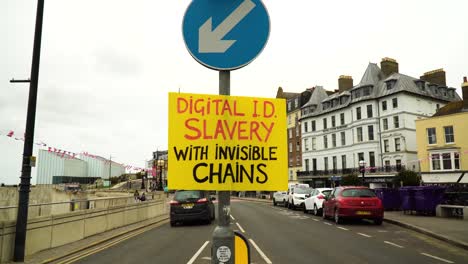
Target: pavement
x,y
450,230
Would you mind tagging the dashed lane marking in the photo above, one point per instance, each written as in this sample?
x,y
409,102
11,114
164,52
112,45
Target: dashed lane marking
x,y
364,235
232,217
342,228
240,227
198,253
316,220
267,260
393,244
327,223
434,257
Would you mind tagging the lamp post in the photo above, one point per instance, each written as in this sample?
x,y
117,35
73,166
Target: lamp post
x,y
362,168
160,165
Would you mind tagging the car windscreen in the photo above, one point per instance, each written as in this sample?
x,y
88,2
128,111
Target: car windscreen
x,y
302,190
187,196
358,193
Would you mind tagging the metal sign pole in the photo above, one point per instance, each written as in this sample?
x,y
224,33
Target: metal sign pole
x,y
222,250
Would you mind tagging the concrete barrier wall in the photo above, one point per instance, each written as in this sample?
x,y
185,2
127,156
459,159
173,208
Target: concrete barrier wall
x,y
57,230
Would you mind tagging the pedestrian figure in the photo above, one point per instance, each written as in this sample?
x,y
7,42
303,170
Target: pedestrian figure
x,y
143,197
136,195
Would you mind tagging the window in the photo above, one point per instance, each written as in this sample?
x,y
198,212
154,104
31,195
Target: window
x,y
313,125
385,124
289,106
306,161
396,122
314,165
435,161
369,111
290,147
387,165
342,121
306,127
395,102
334,140
290,133
314,143
360,156
384,105
324,123
445,161
343,162
366,91
325,142
358,113
334,164
343,138
397,144
296,102
449,136
289,119
359,134
371,159
297,131
398,164
386,145
333,121
306,144
370,132
431,135
298,146
325,163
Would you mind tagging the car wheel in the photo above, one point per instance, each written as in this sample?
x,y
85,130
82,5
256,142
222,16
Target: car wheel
x,y
337,217
324,216
274,202
378,221
285,204
173,223
305,209
315,210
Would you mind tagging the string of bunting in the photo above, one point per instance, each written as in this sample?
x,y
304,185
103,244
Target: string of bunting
x,y
70,154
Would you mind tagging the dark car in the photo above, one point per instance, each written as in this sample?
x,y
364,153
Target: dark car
x,y
192,206
353,202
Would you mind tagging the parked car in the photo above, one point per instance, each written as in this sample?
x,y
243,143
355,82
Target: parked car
x,y
315,201
356,202
296,196
280,198
192,206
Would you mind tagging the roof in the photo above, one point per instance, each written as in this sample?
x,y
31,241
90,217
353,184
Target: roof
x,y
286,95
318,95
373,77
451,108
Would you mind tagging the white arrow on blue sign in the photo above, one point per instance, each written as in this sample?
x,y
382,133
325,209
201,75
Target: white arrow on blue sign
x,y
225,34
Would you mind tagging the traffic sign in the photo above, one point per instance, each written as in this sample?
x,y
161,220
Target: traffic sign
x,y
225,35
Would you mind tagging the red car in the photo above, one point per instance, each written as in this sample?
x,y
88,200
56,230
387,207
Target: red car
x,y
353,202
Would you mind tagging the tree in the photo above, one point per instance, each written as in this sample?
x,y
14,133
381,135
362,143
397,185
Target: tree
x,y
409,178
350,180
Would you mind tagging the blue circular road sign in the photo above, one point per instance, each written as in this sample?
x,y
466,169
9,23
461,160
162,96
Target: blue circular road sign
x,y
225,35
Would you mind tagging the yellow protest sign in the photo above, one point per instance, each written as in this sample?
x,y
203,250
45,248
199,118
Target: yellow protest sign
x,y
227,143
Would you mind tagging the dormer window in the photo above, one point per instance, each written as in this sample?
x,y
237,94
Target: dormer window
x,y
367,90
390,84
421,84
356,93
343,99
433,87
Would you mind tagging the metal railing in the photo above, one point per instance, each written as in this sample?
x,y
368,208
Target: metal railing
x,y
369,170
8,213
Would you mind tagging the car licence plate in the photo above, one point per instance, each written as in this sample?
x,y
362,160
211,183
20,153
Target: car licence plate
x,y
187,206
363,213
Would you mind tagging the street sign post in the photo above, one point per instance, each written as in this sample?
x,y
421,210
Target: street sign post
x,y
225,35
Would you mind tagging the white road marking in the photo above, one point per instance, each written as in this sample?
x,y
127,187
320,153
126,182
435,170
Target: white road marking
x,y
198,253
240,227
364,235
342,228
393,244
232,217
316,220
382,231
434,257
267,260
327,223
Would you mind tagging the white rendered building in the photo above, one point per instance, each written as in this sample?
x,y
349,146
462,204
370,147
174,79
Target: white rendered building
x,y
373,121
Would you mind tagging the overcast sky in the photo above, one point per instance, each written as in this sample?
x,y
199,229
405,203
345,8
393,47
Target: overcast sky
x,y
107,65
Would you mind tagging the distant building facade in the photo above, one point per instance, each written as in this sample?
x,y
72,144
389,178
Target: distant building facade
x,y
373,121
294,101
443,143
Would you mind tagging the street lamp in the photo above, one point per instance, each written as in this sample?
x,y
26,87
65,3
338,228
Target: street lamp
x,y
160,165
362,168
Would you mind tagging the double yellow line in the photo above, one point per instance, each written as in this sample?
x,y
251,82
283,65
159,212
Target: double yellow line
x,y
87,252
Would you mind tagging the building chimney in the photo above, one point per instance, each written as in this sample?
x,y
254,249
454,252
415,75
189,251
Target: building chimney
x,y
345,83
465,93
389,66
435,76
